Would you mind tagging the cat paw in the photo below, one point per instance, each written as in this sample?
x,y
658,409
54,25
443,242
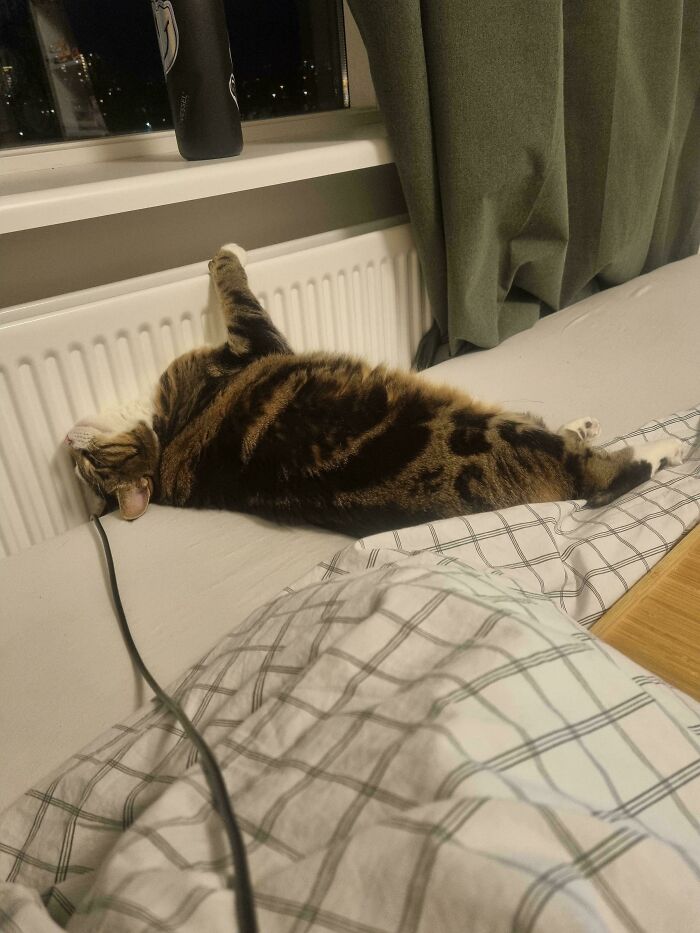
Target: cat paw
x,y
237,251
661,454
223,256
586,428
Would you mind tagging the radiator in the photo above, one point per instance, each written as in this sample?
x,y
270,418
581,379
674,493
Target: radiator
x,y
358,291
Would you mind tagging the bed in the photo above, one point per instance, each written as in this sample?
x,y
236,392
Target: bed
x,y
417,729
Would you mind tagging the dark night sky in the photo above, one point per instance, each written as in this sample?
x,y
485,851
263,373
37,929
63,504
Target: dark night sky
x,y
131,37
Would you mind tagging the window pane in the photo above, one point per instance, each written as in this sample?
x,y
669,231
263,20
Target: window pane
x,y
71,69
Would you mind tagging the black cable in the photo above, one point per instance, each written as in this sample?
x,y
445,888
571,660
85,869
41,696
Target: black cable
x,y
245,907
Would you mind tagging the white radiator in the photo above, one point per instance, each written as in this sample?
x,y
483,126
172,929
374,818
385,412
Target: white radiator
x,y
60,359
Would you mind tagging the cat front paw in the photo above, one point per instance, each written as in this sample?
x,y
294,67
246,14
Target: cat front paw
x,y
223,257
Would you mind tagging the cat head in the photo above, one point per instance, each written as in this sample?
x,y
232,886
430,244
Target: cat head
x,y
116,465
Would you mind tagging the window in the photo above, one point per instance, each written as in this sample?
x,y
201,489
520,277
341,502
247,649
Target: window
x,y
72,69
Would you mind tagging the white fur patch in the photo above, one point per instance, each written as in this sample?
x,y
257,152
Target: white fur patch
x,y
110,421
661,453
80,435
237,251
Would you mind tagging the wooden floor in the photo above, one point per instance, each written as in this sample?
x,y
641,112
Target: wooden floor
x,y
657,623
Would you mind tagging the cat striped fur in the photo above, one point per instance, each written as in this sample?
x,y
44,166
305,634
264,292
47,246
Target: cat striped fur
x,y
327,439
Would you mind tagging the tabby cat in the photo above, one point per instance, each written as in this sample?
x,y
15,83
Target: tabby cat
x,y
330,440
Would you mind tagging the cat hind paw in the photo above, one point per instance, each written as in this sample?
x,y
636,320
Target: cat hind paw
x,y
586,428
662,454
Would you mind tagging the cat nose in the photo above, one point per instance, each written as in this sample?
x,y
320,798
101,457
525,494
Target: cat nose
x,y
80,435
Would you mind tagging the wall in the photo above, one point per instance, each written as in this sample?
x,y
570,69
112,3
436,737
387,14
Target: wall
x,y
67,257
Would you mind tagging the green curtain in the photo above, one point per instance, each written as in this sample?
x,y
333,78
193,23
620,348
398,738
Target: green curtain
x,y
546,149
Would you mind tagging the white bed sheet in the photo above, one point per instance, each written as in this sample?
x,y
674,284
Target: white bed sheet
x,y
185,577
624,356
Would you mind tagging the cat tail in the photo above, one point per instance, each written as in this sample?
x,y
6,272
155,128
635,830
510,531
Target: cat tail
x,y
249,328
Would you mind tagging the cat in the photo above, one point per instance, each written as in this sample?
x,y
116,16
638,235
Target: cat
x,y
327,439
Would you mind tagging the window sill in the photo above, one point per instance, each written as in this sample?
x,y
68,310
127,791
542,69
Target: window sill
x,y
55,185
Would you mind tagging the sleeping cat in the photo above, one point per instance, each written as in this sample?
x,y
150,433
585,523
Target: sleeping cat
x,y
330,440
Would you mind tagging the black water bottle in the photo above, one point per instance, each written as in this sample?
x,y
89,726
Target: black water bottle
x,y
196,55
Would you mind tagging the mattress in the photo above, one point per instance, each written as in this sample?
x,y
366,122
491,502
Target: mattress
x,y
624,356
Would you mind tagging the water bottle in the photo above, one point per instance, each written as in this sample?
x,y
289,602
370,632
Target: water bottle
x,y
196,55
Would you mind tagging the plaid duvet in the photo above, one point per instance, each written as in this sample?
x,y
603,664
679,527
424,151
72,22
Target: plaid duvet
x,y
420,735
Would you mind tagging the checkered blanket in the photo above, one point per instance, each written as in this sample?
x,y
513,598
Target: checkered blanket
x,y
420,735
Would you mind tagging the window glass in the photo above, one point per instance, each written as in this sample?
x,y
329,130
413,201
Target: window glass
x,y
72,69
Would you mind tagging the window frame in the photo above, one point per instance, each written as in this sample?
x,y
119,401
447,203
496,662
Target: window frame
x,y
147,145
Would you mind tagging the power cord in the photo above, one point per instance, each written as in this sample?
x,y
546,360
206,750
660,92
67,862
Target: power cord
x,y
245,906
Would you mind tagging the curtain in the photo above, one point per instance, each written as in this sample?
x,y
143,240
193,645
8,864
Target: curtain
x,y
546,149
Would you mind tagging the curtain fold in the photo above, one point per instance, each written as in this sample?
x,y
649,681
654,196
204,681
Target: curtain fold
x,y
546,149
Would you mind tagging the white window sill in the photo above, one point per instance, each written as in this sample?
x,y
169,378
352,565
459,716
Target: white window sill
x,y
57,184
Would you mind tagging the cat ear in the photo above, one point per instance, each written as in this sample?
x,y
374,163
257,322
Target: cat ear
x,y
133,499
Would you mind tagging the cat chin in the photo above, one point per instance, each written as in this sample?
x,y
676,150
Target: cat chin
x,y
114,420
